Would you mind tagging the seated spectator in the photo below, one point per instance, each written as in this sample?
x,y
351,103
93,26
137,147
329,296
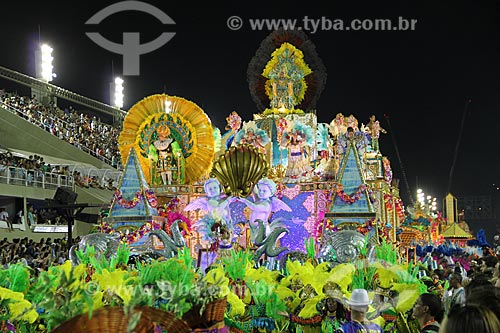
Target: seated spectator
x,y
37,255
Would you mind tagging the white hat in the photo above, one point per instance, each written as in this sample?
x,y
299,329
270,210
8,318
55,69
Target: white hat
x,y
359,297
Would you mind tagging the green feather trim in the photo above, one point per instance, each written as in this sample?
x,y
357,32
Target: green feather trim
x,y
16,278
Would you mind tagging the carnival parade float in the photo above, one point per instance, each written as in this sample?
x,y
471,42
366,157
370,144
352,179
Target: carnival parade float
x,y
266,227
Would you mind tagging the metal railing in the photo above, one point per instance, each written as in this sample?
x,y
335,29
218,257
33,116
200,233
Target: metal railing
x,y
34,178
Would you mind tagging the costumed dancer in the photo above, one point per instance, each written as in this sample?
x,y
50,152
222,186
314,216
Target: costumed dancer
x,y
326,168
359,139
282,88
232,127
337,126
374,130
358,304
352,122
297,140
254,136
167,159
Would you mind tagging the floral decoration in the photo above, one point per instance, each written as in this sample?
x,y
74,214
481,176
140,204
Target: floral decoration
x,y
349,199
118,195
130,237
367,227
151,198
323,224
371,195
171,211
387,170
400,210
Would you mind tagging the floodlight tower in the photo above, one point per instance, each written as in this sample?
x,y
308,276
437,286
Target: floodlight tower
x,y
44,72
118,92
116,96
46,66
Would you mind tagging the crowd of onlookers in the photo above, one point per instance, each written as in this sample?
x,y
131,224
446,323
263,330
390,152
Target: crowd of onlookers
x,y
31,169
94,181
81,130
84,131
37,255
463,296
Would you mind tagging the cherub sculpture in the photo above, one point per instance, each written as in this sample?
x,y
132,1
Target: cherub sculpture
x,y
263,206
215,205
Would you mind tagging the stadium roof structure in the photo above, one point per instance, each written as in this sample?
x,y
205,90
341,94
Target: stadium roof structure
x,y
60,92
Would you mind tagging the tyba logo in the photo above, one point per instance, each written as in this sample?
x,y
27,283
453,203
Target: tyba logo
x,y
131,49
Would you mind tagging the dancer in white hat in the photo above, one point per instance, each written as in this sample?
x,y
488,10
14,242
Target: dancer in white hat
x,y
358,304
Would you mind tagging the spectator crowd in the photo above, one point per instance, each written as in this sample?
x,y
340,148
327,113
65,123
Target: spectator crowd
x,y
85,132
463,294
37,255
33,168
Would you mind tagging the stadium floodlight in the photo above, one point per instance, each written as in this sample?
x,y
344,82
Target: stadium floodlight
x,y
420,196
46,63
119,92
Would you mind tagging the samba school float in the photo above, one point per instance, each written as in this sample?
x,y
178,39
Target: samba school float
x,y
267,227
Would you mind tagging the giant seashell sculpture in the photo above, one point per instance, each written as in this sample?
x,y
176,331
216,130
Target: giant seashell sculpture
x,y
344,246
239,169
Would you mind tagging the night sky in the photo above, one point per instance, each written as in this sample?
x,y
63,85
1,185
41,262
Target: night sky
x,y
421,80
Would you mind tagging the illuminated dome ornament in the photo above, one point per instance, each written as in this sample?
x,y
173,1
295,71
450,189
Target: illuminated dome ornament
x,y
189,126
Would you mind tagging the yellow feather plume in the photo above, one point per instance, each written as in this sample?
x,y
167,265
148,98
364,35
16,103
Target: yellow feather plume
x,y
408,295
237,305
310,310
342,276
